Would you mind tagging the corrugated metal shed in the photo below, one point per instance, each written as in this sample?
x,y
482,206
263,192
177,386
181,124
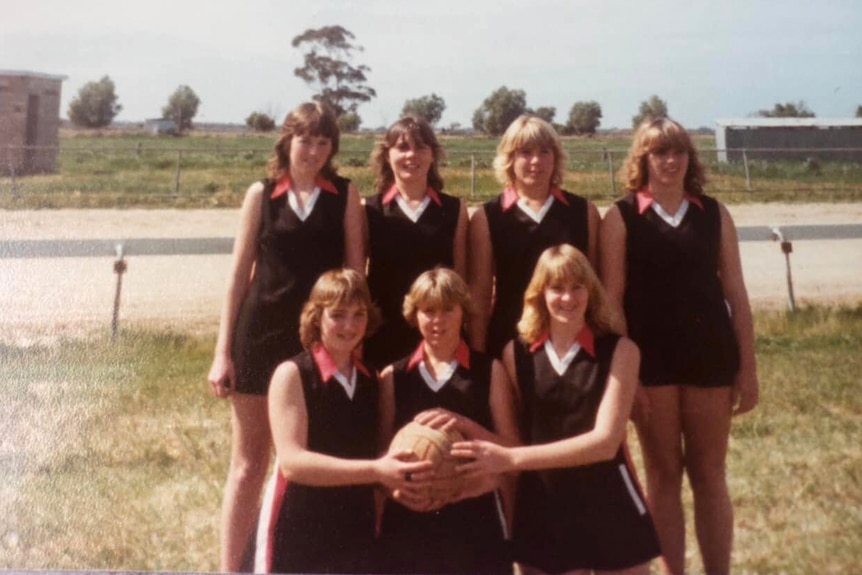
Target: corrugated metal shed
x,y
831,139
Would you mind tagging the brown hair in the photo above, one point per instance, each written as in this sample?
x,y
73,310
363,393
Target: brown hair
x,y
420,131
526,132
308,119
658,136
437,288
335,287
564,264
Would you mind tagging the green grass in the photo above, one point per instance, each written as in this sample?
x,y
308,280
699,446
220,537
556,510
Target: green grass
x,y
114,454
126,169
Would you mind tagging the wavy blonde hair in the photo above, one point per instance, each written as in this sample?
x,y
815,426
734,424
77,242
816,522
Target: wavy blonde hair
x,y
333,288
308,119
564,264
528,132
438,288
420,131
660,135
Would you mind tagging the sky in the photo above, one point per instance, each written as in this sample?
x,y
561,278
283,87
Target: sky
x,y
707,59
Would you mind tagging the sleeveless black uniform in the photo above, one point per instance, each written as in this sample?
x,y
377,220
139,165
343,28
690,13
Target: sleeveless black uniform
x,y
674,304
586,517
399,251
464,537
517,242
292,254
325,529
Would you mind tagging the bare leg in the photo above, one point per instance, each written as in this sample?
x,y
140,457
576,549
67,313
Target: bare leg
x,y
706,415
250,455
661,445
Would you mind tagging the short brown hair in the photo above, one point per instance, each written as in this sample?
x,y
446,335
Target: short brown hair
x,y
525,132
436,288
308,119
564,263
420,131
335,287
660,135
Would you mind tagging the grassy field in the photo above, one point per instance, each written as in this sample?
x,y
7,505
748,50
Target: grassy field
x,y
116,170
113,455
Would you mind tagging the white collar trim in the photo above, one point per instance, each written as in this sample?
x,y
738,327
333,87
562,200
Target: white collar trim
x,y
673,220
414,215
536,216
302,212
349,384
560,365
438,383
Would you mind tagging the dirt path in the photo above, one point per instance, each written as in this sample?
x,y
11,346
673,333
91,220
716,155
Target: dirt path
x,y
42,299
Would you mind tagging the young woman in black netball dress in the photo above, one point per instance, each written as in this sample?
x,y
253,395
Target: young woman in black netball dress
x,y
412,227
578,507
295,225
445,384
318,514
670,260
508,234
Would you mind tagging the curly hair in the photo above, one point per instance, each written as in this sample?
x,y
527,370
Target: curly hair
x,y
528,132
565,264
438,288
333,288
658,136
308,119
417,129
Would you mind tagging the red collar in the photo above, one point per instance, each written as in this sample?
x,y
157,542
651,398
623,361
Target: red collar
x,y
392,192
462,355
645,200
510,197
326,366
586,339
284,184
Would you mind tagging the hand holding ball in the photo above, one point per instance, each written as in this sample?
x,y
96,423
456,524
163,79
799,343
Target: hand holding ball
x,y
434,445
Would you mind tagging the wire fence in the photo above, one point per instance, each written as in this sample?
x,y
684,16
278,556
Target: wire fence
x,y
219,175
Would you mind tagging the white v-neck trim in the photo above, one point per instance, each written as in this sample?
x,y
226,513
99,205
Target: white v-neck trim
x,y
438,383
414,215
560,365
672,220
349,384
303,213
535,216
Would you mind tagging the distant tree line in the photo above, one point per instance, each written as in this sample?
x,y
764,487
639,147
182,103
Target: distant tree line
x,y
328,68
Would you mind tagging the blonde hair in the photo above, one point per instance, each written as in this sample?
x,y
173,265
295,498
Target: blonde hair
x,y
333,288
528,132
419,130
308,119
658,136
438,288
564,264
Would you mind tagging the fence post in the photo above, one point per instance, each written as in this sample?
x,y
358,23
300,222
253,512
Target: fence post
x,y
472,175
119,269
610,156
177,180
747,174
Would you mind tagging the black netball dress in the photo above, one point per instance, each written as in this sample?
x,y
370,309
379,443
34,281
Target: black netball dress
x,y
587,517
292,254
307,529
674,303
518,241
400,249
464,537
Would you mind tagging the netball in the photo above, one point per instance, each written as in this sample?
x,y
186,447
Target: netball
x,y
429,444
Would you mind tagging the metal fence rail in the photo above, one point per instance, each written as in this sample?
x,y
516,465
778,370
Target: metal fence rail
x,y
201,172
